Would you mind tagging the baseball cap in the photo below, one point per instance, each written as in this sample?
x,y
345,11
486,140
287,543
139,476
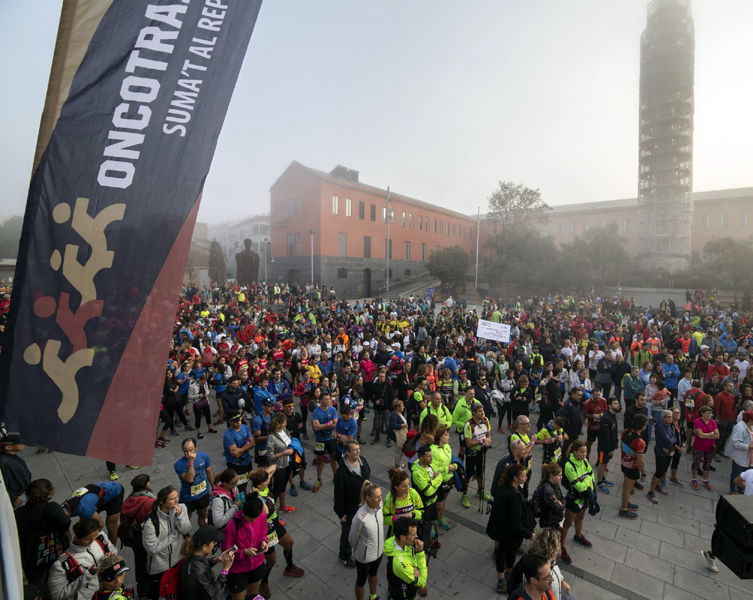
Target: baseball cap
x,y
235,417
207,534
704,346
10,438
268,400
111,572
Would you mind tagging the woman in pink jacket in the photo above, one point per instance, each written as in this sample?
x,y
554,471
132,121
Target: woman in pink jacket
x,y
247,531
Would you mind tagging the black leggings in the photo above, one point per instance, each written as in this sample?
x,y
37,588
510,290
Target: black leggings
x,y
167,419
198,412
504,408
154,581
506,554
177,409
304,416
366,570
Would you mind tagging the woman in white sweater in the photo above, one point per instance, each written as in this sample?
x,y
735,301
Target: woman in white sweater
x,y
367,538
163,532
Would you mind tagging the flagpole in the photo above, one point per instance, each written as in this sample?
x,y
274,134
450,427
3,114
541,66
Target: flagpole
x,y
478,232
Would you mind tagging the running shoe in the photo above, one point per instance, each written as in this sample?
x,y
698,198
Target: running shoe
x,y
374,441
361,441
288,509
189,428
661,489
707,485
389,443
219,421
173,432
350,563
501,586
581,539
652,498
132,468
114,476
465,501
712,468
632,506
305,485
443,524
627,514
212,431
565,557
676,482
710,561
717,458
40,450
694,484
327,459
501,431
293,491
484,495
200,436
607,482
159,445
602,488
163,439
317,485
638,486
294,571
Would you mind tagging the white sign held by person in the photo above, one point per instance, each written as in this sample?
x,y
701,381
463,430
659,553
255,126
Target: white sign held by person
x,y
489,330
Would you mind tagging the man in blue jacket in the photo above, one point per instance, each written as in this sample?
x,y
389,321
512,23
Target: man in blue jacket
x,y
671,376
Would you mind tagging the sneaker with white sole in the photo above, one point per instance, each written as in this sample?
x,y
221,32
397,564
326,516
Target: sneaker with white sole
x,y
710,561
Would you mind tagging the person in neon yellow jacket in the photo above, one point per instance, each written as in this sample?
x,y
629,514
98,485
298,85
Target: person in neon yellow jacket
x,y
437,408
580,478
462,414
406,561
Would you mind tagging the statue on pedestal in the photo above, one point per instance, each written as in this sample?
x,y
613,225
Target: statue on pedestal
x,y
247,264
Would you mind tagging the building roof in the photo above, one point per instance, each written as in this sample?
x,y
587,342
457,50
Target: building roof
x,y
373,190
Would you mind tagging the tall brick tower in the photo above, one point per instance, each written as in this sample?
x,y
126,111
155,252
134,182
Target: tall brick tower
x,y
665,177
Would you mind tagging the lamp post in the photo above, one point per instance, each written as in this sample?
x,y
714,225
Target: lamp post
x,y
312,232
387,250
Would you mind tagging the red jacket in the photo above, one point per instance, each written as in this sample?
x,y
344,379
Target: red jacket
x,y
136,508
724,404
721,369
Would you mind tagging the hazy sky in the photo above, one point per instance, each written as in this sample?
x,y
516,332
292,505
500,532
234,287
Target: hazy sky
x,y
438,99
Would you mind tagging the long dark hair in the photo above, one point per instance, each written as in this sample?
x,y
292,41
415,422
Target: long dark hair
x,y
162,496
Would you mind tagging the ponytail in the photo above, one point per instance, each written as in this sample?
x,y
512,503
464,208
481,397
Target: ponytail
x,y
367,489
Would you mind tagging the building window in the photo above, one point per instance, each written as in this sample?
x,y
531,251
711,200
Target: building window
x,y
435,225
420,222
406,273
342,244
402,219
361,210
423,252
441,227
373,212
367,246
453,230
707,221
291,245
335,205
572,228
448,229
348,207
625,225
290,207
744,220
407,250
298,205
585,226
427,223
410,218
439,247
384,215
386,244
723,220
342,273
297,244
561,229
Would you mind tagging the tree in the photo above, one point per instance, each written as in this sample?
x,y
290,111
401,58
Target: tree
x,y
514,210
730,260
600,254
10,234
449,265
216,263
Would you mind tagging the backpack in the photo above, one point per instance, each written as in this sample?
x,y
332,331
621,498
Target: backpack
x,y
536,502
129,530
171,585
409,447
71,566
72,503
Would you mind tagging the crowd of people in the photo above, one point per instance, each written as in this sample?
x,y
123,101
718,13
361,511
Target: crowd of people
x,y
282,373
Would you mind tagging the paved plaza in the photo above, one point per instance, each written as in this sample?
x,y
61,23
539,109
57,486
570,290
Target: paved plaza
x,y
657,556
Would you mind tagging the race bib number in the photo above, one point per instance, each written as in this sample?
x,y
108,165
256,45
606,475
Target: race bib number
x,y
690,404
199,488
242,478
557,455
319,446
272,539
79,492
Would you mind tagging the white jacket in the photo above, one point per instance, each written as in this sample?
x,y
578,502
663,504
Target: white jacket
x,y
85,585
367,534
222,509
163,550
738,445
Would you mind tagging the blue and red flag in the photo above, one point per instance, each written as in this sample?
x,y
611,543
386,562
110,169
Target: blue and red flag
x,y
137,96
